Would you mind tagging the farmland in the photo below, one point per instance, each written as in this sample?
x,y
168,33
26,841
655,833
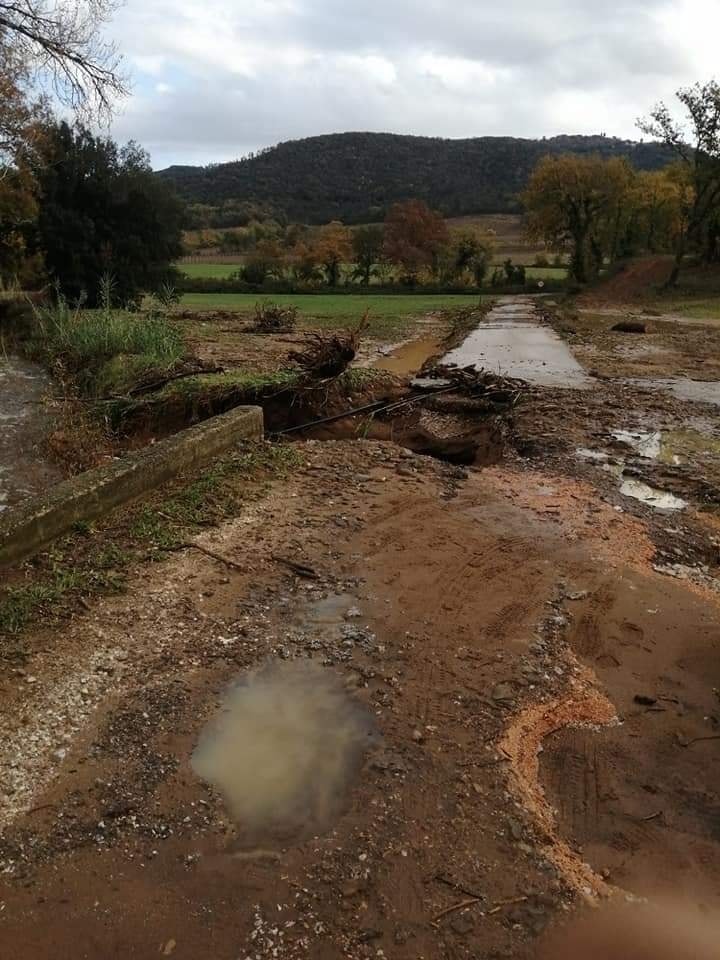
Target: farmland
x,y
388,315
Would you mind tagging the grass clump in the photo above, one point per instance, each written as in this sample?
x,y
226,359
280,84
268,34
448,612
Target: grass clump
x,y
105,350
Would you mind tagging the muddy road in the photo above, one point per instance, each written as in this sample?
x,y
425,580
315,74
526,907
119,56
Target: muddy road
x,y
426,710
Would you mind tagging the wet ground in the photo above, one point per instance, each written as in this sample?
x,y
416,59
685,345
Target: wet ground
x,y
489,696
24,423
512,341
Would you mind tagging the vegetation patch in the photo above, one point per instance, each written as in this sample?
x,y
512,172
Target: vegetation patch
x,y
388,315
105,350
98,558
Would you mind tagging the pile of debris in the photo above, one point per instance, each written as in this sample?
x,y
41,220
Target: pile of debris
x,y
271,317
468,390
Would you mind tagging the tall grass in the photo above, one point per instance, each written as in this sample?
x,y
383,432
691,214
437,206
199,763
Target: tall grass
x,y
80,338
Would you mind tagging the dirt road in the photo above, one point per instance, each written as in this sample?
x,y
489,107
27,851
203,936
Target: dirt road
x,y
474,614
417,711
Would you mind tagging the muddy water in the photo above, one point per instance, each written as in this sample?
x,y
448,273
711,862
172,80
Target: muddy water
x,y
660,499
284,751
696,391
511,341
409,357
24,423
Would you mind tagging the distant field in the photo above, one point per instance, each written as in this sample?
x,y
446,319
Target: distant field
x,y
387,314
214,270
707,308
333,305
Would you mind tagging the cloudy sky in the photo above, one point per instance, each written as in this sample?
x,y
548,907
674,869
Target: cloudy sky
x,y
215,79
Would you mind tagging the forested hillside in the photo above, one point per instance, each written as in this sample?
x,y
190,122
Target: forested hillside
x,y
355,177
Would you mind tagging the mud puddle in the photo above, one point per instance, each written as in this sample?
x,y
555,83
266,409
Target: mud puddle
x,y
24,424
653,445
510,340
409,357
284,751
659,499
696,391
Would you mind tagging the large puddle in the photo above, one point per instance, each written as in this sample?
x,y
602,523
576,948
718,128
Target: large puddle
x,y
511,341
409,357
284,751
23,425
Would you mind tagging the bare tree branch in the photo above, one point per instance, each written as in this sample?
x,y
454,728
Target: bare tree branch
x,y
62,39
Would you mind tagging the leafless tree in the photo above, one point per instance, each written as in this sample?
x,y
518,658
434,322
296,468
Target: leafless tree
x,y
63,40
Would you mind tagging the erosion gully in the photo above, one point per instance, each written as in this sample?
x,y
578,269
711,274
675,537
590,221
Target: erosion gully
x,y
425,711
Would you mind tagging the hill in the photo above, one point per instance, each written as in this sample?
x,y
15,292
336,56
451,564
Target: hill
x,y
356,176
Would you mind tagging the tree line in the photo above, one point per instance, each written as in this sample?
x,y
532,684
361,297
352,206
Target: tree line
x,y
600,210
74,206
414,245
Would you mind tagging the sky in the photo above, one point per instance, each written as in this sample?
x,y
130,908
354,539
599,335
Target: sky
x,y
213,80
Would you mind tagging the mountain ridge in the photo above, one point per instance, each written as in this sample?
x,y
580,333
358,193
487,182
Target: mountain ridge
x,y
356,176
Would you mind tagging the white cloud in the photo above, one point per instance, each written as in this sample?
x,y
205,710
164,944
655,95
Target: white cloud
x,y
214,80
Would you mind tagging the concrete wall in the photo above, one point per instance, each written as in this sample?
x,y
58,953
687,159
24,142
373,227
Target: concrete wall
x,y
31,526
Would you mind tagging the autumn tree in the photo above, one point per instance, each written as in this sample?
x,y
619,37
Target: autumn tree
x,y
696,143
414,237
266,262
22,122
333,247
573,203
656,207
305,263
367,245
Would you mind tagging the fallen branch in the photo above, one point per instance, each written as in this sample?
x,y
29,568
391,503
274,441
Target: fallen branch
x,y
506,903
441,878
187,545
299,568
457,906
158,384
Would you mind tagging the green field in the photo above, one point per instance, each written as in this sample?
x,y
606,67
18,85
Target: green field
x,y
707,308
386,313
217,271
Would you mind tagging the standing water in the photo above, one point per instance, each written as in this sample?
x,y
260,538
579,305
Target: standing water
x,y
24,423
284,751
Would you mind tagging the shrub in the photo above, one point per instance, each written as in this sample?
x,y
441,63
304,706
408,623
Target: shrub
x,y
272,318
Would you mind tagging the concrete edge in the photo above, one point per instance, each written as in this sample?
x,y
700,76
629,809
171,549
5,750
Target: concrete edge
x,y
31,526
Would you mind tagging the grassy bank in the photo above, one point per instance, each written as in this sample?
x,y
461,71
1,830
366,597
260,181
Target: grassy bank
x,y
104,351
98,558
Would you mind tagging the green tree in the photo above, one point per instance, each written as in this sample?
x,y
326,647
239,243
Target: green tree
x,y
102,210
696,143
367,245
573,203
470,253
